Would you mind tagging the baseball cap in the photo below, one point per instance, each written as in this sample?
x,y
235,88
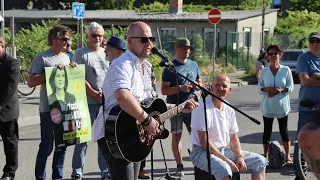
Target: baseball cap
x,y
314,35
117,43
182,42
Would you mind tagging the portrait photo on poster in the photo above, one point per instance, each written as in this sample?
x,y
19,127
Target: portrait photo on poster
x,y
68,105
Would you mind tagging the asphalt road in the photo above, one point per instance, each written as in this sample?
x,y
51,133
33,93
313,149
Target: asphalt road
x,y
245,98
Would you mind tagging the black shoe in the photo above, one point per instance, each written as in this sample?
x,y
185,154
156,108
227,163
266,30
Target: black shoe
x,y
297,177
7,177
76,178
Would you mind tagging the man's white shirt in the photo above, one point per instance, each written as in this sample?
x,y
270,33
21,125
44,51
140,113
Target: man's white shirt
x,y
124,72
220,123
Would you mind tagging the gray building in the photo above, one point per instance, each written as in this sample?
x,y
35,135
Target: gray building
x,y
246,24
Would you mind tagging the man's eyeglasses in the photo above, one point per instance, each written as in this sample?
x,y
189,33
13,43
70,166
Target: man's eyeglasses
x,y
96,35
146,39
273,54
312,41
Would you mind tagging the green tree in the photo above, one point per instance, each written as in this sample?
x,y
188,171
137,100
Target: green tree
x,y
298,24
109,4
310,5
197,52
205,5
31,41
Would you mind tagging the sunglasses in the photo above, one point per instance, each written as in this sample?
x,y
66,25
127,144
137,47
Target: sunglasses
x,y
146,39
273,54
65,39
312,41
96,35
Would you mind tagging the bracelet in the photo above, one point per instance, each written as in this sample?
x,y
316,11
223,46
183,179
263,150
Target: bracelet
x,y
147,121
239,156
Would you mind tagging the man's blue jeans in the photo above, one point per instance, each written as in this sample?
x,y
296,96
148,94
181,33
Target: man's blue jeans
x,y
79,154
45,149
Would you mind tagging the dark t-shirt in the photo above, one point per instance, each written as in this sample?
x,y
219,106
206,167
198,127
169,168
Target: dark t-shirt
x,y
190,70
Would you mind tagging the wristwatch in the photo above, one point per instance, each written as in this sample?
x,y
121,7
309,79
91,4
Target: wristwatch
x,y
239,156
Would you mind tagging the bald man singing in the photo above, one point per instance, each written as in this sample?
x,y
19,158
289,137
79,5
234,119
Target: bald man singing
x,y
127,83
226,153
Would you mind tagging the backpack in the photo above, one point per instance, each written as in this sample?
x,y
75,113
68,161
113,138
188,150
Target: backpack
x,y
276,155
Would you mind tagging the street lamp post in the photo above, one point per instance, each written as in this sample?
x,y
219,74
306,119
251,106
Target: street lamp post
x,y
2,22
262,32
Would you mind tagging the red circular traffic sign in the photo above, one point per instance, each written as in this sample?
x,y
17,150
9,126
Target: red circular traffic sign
x,y
214,16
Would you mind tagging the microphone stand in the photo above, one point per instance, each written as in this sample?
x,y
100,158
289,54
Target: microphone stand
x,y
165,63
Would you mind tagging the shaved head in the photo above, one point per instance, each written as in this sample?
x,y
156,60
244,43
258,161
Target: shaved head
x,y
139,39
136,28
221,86
221,77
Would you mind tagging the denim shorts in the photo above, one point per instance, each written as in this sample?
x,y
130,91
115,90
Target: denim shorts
x,y
177,123
219,168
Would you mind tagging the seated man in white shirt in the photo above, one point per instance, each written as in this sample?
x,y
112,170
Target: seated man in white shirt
x,y
226,154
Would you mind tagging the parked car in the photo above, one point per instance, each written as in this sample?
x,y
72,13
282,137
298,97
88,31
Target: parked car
x,y
290,58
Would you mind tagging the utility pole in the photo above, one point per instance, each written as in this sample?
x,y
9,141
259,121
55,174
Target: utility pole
x,y
118,4
262,32
2,23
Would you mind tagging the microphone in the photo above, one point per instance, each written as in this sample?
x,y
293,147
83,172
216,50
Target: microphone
x,y
164,60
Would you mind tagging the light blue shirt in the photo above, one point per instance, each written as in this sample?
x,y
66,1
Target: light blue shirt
x,y
277,106
310,64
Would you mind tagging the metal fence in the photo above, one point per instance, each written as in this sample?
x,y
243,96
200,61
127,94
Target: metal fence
x,y
238,47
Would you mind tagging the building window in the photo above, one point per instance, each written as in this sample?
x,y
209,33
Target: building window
x,y
208,40
168,37
247,37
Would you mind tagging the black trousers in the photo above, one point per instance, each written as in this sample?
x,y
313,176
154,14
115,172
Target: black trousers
x,y
283,127
142,165
119,169
10,137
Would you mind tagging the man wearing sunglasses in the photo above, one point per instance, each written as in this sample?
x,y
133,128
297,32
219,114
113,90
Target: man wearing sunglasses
x,y
58,38
178,90
93,57
308,68
128,82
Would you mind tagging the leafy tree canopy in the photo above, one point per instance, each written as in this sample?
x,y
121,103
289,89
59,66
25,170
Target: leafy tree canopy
x,y
310,5
298,24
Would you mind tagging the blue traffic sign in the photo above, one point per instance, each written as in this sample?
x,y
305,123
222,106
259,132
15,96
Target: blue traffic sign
x,y
78,10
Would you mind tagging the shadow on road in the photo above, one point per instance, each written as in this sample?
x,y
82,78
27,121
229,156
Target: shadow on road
x,y
256,138
31,103
29,139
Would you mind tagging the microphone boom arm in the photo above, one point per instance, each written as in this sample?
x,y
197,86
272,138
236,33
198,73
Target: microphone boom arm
x,y
167,65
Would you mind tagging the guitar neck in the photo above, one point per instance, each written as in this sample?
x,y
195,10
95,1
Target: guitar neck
x,y
176,110
172,112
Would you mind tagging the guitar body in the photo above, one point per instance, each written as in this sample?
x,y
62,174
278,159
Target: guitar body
x,y
126,138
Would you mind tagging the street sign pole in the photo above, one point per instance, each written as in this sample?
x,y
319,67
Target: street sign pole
x,y
78,35
214,46
2,23
214,17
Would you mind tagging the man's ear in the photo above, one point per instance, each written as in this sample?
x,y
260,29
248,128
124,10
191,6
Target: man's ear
x,y
129,41
230,90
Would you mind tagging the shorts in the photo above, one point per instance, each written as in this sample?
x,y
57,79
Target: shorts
x,y
177,123
219,168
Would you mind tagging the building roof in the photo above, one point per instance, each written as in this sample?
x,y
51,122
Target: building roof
x,y
131,15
